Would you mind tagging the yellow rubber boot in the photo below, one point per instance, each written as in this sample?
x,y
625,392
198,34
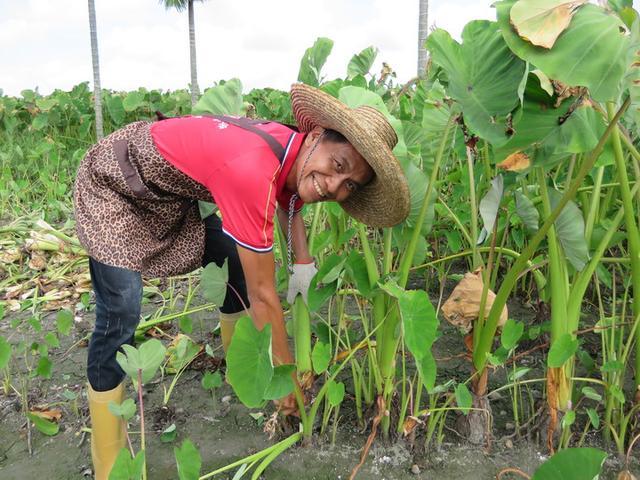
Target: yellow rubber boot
x,y
107,430
228,325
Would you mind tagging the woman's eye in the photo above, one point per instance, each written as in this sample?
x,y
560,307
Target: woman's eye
x,y
351,186
338,165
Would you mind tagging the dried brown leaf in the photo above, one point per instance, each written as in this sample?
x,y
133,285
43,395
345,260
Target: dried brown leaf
x,y
463,305
516,162
51,414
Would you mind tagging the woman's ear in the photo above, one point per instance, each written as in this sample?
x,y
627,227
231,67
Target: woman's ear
x,y
314,135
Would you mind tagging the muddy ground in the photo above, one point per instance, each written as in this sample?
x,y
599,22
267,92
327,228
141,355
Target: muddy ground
x,y
227,432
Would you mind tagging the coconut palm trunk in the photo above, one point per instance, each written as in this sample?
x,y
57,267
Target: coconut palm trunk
x,y
195,89
181,5
423,30
97,92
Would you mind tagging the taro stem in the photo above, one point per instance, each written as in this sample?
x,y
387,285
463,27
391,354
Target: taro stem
x,y
302,335
388,342
633,236
142,432
558,378
483,348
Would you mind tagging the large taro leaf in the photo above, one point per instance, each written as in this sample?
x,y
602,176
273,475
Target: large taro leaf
x,y
420,325
361,63
483,76
591,52
572,464
436,114
579,133
357,268
313,60
418,183
527,212
542,21
115,109
632,77
570,231
427,368
133,101
213,281
534,121
354,97
281,383
225,99
249,365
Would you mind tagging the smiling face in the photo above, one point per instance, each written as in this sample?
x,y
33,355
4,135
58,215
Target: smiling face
x,y
333,171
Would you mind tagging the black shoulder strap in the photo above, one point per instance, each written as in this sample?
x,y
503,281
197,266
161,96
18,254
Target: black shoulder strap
x,y
246,124
250,125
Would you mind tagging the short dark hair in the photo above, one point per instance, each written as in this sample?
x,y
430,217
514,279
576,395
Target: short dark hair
x,y
333,136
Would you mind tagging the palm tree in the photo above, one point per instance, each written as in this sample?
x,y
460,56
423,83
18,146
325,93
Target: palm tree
x,y
97,92
423,27
180,5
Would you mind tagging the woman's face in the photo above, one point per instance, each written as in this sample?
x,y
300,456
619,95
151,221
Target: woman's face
x,y
333,172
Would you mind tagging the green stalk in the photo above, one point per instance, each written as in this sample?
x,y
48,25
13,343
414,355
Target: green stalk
x,y
378,301
558,284
560,397
633,235
302,335
142,432
457,221
532,267
257,456
165,318
473,205
594,205
407,256
491,324
280,447
314,226
582,280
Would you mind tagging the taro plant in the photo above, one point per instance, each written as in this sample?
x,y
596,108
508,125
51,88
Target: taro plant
x,y
140,364
517,116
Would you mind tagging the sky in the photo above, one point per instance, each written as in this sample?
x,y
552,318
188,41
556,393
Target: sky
x,y
46,43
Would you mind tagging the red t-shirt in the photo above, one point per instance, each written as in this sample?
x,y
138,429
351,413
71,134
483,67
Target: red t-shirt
x,y
238,167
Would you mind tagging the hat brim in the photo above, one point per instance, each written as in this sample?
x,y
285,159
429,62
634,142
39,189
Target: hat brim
x,y
383,202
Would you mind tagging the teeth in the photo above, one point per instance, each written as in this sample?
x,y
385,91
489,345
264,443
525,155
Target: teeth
x,y
317,187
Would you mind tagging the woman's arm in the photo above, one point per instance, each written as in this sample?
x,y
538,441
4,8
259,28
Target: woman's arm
x,y
259,272
299,246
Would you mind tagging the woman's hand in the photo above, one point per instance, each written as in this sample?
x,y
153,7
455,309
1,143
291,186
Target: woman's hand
x,y
300,280
288,405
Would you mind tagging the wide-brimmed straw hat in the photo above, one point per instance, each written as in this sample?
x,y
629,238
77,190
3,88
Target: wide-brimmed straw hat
x,y
384,201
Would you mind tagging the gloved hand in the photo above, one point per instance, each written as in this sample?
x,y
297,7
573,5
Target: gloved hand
x,y
300,280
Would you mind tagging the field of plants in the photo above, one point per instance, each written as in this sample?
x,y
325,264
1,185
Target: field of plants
x,y
495,333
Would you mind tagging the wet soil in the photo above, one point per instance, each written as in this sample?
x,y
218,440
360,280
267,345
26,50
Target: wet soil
x,y
225,431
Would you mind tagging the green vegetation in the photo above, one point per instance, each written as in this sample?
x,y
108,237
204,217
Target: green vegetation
x,y
523,164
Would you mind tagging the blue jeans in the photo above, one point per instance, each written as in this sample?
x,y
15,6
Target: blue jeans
x,y
119,295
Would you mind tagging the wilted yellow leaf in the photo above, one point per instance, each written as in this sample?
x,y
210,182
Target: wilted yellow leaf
x,y
515,162
409,425
542,21
51,414
463,305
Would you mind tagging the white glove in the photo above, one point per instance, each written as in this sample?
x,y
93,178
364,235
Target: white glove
x,y
300,280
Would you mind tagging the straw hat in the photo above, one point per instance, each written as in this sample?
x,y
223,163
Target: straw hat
x,y
384,201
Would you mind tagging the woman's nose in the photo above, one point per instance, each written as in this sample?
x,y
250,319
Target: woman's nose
x,y
336,186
